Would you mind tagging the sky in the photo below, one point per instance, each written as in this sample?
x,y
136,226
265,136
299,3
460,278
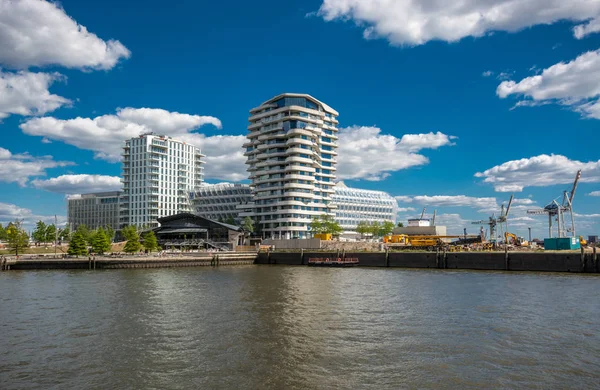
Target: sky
x,y
444,106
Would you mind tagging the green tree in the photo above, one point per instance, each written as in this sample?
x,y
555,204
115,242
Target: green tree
x,y
110,233
150,242
375,228
39,234
50,235
64,234
325,224
248,225
386,228
85,232
133,244
17,238
230,221
100,241
316,225
400,224
363,228
129,232
78,245
3,235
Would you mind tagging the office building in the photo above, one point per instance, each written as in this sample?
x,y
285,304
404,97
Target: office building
x,y
94,210
356,205
291,158
221,202
159,173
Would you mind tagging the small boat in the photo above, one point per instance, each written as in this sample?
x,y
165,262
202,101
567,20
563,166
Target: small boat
x,y
332,262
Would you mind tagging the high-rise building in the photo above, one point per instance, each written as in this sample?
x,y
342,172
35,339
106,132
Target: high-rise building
x,y
356,205
221,202
99,209
159,173
291,151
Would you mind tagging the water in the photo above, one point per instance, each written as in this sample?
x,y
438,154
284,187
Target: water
x,y
277,327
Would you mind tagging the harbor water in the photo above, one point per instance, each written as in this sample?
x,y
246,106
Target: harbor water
x,y
280,327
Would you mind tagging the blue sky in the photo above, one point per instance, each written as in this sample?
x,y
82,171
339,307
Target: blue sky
x,y
479,89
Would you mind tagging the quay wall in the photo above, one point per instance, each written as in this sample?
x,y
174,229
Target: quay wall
x,y
569,261
183,260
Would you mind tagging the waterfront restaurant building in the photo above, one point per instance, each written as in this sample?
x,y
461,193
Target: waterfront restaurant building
x,y
159,173
291,157
190,231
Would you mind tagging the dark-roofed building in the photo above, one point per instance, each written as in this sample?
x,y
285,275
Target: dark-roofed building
x,y
190,231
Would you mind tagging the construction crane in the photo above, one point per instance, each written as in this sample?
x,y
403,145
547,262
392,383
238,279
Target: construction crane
x,y
433,220
556,211
493,221
423,213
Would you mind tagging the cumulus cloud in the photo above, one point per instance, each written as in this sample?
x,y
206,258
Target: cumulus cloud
x,y
365,153
26,93
575,84
487,73
583,30
106,134
10,212
39,33
539,171
594,193
18,168
70,184
417,22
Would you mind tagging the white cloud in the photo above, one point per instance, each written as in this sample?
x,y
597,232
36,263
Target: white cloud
x,y
106,134
10,212
487,73
18,168
456,201
406,22
405,209
575,84
39,33
26,93
583,30
594,193
69,184
539,171
365,153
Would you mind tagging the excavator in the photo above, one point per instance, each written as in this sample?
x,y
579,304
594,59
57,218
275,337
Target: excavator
x,y
517,241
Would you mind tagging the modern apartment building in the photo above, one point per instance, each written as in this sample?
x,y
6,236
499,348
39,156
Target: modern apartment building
x,y
159,173
94,210
291,158
221,202
356,205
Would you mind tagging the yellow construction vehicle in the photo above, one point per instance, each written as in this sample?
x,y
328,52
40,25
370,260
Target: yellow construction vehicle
x,y
582,241
518,241
323,236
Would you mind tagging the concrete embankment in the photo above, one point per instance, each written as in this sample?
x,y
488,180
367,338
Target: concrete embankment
x,y
580,262
180,260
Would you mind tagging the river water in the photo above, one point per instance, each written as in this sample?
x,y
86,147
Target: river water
x,y
278,327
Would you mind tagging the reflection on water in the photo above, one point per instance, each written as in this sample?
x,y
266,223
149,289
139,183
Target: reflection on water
x,y
297,327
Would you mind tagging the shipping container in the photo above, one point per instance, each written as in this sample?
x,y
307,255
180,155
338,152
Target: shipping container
x,y
561,244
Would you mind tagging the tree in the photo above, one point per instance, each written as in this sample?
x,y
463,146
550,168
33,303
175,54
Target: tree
x,y
100,241
133,244
50,235
2,233
17,238
64,234
39,234
400,224
248,225
363,228
150,242
85,233
78,245
375,227
110,233
386,228
325,224
129,232
230,220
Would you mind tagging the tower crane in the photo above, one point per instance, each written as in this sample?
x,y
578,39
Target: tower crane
x,y
493,221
